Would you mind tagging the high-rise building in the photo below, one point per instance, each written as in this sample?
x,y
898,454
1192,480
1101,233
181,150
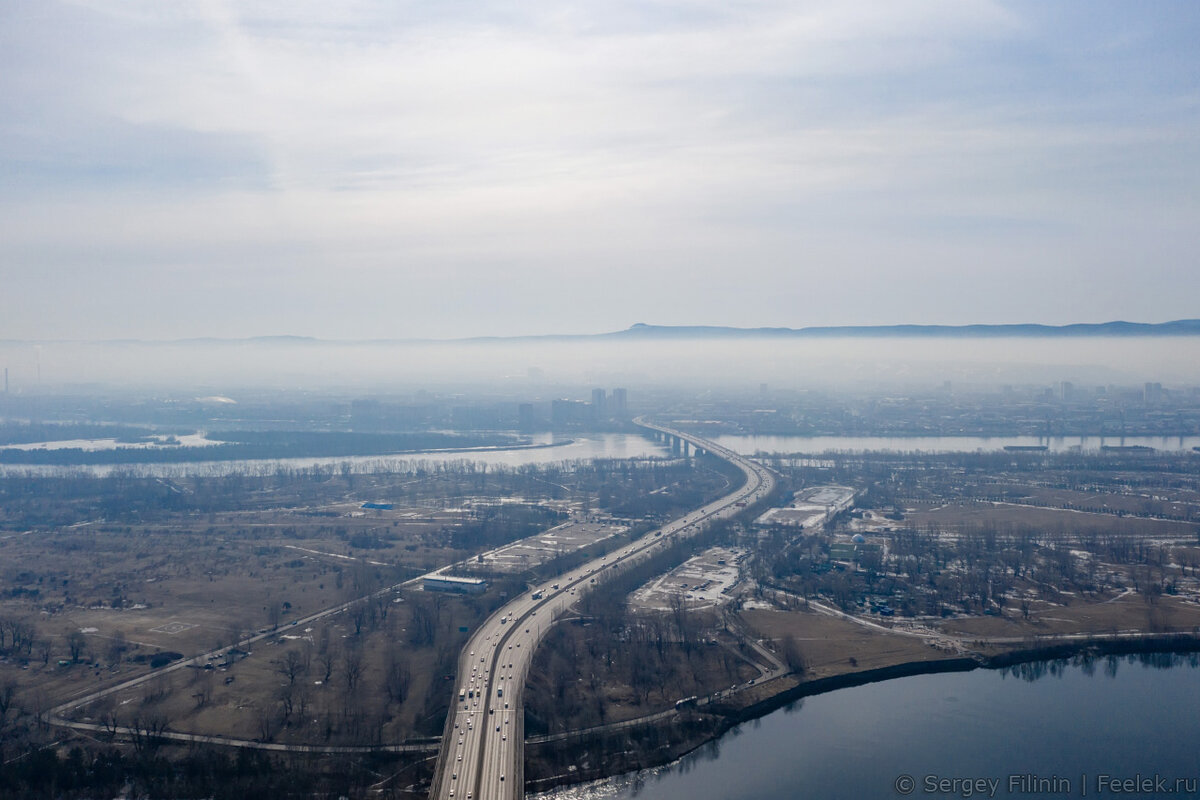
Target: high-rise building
x,y
619,403
525,417
599,404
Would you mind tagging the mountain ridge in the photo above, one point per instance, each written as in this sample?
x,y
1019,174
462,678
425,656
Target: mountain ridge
x,y
641,330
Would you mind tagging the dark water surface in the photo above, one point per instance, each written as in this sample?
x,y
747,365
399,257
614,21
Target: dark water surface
x,y
1046,730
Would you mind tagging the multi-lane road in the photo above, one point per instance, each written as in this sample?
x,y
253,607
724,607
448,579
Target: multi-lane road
x,y
482,747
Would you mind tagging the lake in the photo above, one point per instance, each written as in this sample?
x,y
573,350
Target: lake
x,y
1067,725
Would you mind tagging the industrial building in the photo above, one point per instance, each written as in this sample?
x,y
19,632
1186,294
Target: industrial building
x,y
450,583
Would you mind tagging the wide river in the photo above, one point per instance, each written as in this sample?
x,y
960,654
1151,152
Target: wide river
x,y
1076,729
550,449
555,448
749,445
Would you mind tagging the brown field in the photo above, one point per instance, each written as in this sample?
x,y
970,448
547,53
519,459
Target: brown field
x,y
1160,503
1129,612
1008,516
829,644
123,594
366,688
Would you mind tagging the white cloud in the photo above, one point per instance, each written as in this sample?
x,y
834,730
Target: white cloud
x,y
470,152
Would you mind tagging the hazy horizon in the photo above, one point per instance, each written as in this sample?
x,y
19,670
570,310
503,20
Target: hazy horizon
x,y
550,363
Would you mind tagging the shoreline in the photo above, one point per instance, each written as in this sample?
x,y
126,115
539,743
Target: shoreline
x,y
206,451
717,719
185,468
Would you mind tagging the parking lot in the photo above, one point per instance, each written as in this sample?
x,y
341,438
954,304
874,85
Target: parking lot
x,y
703,581
531,551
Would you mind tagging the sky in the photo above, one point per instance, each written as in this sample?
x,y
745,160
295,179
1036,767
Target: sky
x,y
363,170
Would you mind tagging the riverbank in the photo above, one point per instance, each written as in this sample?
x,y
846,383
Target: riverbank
x,y
309,446
597,755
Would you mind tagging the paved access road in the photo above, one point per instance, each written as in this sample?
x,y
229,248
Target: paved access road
x,y
482,753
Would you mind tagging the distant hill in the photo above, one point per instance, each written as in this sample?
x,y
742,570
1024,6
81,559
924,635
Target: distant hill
x,y
1182,327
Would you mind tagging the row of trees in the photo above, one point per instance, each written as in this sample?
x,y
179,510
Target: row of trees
x,y
614,653
209,772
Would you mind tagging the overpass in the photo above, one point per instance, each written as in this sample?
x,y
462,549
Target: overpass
x,y
482,753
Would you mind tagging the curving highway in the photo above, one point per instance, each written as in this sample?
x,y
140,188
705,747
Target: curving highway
x,y
482,746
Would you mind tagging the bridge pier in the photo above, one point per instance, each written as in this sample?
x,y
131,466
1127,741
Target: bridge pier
x,y
677,444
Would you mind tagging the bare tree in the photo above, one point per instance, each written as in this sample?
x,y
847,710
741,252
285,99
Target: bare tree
x,y
267,724
76,644
352,668
21,635
291,666
116,647
107,713
306,655
359,613
8,695
326,658
397,678
286,695
793,656
156,688
203,685
146,730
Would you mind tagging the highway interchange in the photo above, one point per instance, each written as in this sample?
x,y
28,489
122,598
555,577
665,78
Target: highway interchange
x,y
482,746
